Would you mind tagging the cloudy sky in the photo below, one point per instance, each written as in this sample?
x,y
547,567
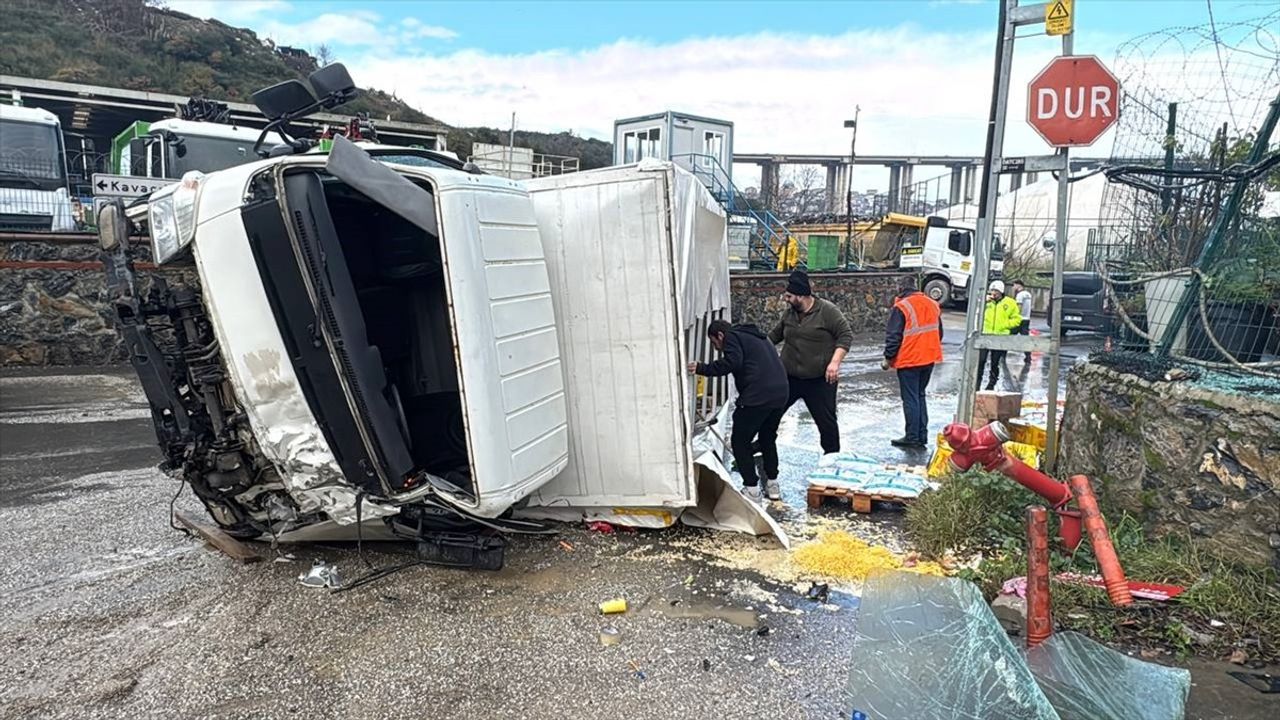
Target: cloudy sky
x,y
786,73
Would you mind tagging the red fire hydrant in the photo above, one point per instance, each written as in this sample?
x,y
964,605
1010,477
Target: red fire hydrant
x,y
985,447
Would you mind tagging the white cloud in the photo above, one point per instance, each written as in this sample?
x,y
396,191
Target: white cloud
x,y
414,28
353,28
920,92
239,13
337,29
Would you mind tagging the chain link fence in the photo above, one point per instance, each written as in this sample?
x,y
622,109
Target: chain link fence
x,y
1188,247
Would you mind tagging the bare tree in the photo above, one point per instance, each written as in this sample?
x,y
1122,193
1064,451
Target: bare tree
x,y
324,54
803,192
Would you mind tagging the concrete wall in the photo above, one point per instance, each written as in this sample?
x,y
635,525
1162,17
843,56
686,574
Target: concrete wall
x,y
53,303
865,298
1186,460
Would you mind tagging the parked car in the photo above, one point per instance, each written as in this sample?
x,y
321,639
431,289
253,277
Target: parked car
x,y
1086,306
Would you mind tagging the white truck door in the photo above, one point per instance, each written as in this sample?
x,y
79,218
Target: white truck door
x,y
501,316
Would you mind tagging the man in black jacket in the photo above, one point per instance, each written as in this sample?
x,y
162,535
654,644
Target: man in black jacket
x,y
763,392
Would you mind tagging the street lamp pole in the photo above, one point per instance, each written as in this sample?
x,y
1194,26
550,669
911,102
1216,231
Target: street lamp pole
x,y
848,193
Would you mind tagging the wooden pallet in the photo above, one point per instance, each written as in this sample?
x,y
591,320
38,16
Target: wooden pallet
x,y
860,502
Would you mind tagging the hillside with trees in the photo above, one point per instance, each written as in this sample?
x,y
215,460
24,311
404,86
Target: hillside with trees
x,y
591,153
138,45
141,45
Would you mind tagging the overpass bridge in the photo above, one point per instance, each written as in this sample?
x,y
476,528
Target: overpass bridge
x,y
901,168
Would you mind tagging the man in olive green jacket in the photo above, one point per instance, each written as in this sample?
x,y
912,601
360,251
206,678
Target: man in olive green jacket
x,y
1001,316
815,337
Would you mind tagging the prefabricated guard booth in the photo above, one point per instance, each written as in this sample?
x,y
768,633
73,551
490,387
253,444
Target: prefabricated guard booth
x,y
680,137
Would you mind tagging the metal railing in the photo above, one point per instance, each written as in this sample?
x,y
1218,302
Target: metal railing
x,y
769,235
523,163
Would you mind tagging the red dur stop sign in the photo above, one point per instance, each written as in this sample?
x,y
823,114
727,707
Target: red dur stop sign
x,y
1073,101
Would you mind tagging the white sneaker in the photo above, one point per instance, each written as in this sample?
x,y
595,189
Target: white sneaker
x,y
828,460
771,490
753,494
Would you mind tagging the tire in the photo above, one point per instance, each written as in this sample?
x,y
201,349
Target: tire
x,y
938,290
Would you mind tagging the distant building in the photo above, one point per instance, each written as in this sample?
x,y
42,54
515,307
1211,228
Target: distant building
x,y
698,144
520,163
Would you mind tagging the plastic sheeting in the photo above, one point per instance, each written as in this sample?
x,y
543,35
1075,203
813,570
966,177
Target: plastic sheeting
x,y
928,647
1087,681
1028,215
865,475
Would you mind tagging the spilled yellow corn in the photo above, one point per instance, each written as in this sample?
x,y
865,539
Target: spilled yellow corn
x,y
837,554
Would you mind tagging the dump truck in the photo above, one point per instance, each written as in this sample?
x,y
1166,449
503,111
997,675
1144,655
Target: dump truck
x,y
940,250
366,343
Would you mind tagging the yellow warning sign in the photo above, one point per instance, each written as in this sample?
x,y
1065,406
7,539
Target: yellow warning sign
x,y
1058,17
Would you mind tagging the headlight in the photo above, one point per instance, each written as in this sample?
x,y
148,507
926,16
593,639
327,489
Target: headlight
x,y
171,215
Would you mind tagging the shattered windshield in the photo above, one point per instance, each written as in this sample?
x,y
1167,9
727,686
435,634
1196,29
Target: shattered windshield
x,y
30,156
414,161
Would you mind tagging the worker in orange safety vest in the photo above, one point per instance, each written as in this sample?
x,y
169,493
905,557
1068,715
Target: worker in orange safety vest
x,y
912,346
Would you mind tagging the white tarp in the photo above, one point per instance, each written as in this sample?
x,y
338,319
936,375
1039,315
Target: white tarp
x,y
1027,216
702,243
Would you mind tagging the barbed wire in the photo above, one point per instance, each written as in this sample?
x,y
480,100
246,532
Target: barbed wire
x,y
1194,101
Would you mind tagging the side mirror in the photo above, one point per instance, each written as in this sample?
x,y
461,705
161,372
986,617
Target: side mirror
x,y
288,97
113,228
333,85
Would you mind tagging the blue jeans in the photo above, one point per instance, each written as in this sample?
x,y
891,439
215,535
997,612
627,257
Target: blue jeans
x,y
912,382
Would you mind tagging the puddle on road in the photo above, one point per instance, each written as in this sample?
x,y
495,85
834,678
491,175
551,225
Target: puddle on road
x,y
688,606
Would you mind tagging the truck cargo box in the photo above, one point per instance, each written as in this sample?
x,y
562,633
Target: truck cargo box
x,y
638,261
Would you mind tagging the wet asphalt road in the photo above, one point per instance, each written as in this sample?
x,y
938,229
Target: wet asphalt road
x,y
110,613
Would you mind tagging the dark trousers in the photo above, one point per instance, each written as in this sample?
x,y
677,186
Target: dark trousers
x,y
912,382
755,427
1025,329
997,359
820,397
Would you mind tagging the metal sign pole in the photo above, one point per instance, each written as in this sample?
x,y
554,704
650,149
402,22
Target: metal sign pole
x,y
1055,305
986,213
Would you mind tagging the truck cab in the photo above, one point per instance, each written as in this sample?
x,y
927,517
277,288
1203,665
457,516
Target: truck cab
x,y
361,338
943,252
33,173
173,147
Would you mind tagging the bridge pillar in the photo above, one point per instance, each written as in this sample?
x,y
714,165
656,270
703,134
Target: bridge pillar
x,y
957,185
769,183
835,196
895,187
908,189
970,174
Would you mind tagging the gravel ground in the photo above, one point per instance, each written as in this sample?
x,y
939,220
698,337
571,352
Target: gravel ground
x,y
108,612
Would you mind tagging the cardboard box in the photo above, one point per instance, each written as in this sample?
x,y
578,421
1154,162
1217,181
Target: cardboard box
x,y
998,405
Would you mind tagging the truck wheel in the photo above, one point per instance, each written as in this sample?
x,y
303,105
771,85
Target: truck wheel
x,y
938,290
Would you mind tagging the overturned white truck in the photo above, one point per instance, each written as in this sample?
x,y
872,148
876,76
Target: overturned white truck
x,y
370,343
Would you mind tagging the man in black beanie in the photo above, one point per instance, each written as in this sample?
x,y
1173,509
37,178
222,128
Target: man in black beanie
x,y
815,337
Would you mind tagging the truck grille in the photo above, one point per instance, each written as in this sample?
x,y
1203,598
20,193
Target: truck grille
x,y
16,222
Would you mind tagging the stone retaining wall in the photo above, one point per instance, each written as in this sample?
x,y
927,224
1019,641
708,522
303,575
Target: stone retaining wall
x,y
1185,460
53,300
865,298
53,303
